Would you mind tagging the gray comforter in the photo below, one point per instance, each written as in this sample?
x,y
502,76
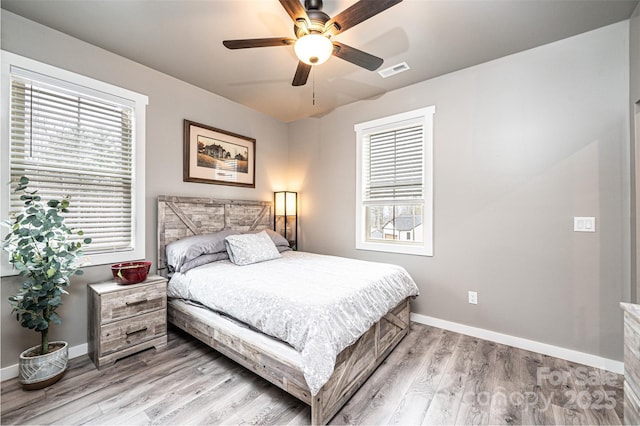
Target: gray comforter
x,y
318,304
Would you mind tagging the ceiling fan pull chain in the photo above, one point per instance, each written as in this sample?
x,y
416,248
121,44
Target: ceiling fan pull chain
x,y
313,82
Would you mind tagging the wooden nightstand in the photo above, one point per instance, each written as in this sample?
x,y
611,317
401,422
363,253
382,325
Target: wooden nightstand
x,y
125,319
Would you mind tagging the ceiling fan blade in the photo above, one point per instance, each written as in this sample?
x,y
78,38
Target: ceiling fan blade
x,y
302,73
357,57
295,10
357,13
258,42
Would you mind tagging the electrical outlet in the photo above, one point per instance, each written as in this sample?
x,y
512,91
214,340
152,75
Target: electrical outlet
x,y
473,297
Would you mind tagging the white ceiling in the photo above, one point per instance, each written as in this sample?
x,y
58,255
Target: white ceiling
x,y
183,38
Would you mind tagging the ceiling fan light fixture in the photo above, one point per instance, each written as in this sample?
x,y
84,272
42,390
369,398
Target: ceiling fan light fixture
x,y
313,49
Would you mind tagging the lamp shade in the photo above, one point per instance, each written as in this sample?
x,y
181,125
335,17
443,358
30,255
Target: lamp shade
x,y
286,203
313,49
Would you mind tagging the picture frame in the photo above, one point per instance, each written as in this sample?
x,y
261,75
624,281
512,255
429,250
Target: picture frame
x,y
218,157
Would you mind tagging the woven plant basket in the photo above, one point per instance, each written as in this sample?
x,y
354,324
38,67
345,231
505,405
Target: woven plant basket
x,y
39,371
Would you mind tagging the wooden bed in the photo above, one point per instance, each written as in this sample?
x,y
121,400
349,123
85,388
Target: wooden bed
x,y
180,217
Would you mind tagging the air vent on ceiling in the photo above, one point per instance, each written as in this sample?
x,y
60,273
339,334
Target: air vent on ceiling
x,y
396,69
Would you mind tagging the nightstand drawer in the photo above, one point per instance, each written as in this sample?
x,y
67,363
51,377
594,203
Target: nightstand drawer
x,y
132,302
123,334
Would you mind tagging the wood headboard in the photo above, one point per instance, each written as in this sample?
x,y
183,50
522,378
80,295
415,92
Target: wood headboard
x,y
180,217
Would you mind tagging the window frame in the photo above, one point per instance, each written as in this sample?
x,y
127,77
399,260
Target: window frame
x,y
109,91
424,117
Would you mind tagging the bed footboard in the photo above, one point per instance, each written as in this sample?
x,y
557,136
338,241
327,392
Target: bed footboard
x,y
353,365
357,362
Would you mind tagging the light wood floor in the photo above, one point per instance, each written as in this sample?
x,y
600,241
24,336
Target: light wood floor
x,y
433,377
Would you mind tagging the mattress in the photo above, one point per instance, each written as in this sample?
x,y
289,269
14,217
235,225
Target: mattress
x,y
317,304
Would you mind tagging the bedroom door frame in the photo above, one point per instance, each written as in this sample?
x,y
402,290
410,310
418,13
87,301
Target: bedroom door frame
x,y
635,206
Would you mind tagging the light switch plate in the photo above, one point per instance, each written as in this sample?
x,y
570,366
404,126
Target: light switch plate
x,y
584,224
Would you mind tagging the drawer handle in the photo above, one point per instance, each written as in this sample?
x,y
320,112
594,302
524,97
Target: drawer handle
x,y
131,333
139,302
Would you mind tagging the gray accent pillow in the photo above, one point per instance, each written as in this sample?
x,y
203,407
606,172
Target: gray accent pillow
x,y
203,260
277,239
186,249
251,248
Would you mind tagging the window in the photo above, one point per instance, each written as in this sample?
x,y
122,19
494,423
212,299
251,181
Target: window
x,y
394,183
73,135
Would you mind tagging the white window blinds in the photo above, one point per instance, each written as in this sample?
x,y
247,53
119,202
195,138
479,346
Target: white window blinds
x,y
70,140
394,183
394,162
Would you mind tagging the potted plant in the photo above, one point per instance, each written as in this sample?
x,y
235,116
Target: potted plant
x,y
46,253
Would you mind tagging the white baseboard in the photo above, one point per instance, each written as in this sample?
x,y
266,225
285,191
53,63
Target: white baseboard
x,y
569,354
518,342
12,371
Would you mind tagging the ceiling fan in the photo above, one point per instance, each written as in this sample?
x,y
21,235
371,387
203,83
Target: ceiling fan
x,y
313,30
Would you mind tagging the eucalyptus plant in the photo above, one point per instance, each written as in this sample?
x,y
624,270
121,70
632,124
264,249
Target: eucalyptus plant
x,y
46,254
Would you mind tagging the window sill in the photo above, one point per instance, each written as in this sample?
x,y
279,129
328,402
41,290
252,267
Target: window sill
x,y
395,248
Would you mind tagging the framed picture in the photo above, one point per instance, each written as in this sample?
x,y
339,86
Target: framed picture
x,y
218,157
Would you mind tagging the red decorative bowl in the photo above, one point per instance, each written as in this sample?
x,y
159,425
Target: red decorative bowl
x,y
130,272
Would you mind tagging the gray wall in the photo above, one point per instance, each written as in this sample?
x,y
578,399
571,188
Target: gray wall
x,y
522,145
170,101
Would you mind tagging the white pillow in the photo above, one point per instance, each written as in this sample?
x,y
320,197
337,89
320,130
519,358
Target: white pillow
x,y
246,249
